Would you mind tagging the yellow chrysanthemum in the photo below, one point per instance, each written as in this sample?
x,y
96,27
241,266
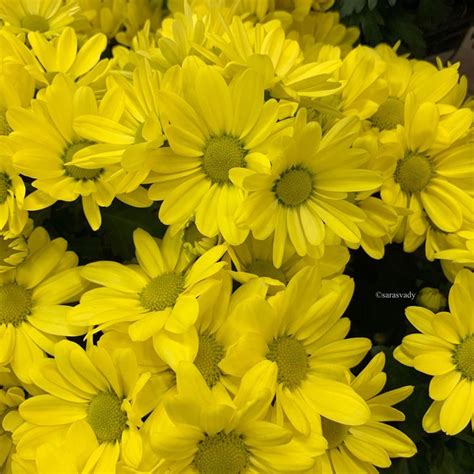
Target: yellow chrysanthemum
x,y
428,167
253,259
445,350
33,302
204,432
48,16
307,187
11,396
14,247
301,332
216,127
45,148
99,392
354,449
63,55
13,217
161,292
278,60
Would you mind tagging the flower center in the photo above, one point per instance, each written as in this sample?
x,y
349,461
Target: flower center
x,y
210,353
389,114
294,186
335,433
5,184
5,128
162,292
413,172
263,268
291,358
77,172
15,304
220,156
222,453
35,23
464,357
106,417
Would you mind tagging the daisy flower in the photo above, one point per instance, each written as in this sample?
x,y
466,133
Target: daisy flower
x,y
13,217
445,350
364,447
429,167
14,247
253,259
161,292
93,389
204,432
214,128
33,302
45,148
63,55
48,16
307,187
301,332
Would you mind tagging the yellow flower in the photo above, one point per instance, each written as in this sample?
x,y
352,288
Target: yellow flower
x,y
99,392
432,299
13,217
48,16
354,449
445,350
46,146
216,127
161,292
253,259
33,302
428,167
63,55
278,60
307,187
14,247
201,431
301,332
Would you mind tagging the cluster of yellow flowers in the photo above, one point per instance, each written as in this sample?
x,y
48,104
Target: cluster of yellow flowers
x,y
274,146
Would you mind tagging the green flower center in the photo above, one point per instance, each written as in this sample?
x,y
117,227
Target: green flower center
x,y
106,417
5,128
210,353
291,358
335,433
77,172
413,172
221,454
35,23
294,186
464,357
220,156
389,114
162,292
15,304
5,185
263,268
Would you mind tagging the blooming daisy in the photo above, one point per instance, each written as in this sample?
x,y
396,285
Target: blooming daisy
x,y
33,302
63,54
353,449
46,145
161,292
214,128
204,432
99,392
253,259
301,332
445,350
13,217
14,247
48,16
428,166
307,187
